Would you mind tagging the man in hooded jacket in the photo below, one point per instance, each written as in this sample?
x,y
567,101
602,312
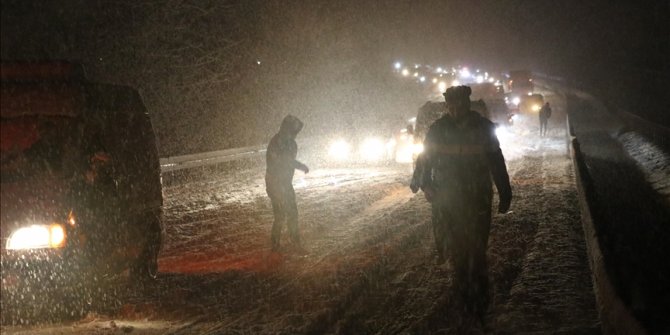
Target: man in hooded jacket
x,y
461,156
281,165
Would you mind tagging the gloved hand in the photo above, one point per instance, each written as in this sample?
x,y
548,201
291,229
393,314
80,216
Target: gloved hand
x,y
414,187
429,193
504,203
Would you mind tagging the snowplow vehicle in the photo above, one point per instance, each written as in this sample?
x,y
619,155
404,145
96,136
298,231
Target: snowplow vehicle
x,y
81,186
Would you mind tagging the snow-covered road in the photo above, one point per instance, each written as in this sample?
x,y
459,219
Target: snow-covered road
x,y
369,264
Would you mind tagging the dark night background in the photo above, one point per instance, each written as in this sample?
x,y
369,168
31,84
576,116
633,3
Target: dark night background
x,y
329,62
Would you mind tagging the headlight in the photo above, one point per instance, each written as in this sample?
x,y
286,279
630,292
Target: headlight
x,y
417,148
500,131
372,149
37,237
536,108
516,101
339,150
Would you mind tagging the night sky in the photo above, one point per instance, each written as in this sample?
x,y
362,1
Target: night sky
x,y
196,63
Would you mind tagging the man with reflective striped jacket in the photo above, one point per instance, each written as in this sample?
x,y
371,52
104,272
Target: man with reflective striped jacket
x,y
461,156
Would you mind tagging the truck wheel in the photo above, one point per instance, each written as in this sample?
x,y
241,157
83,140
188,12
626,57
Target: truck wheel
x,y
145,266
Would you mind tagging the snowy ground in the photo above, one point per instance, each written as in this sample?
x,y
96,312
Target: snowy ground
x,y
369,265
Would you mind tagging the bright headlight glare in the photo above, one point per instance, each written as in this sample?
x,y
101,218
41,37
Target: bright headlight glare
x,y
417,148
536,108
339,149
57,236
37,237
516,101
372,148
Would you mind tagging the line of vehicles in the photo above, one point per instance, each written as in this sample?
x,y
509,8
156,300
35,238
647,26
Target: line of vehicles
x,y
505,104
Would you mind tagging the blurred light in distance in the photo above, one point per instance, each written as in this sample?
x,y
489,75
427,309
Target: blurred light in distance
x,y
417,148
455,82
442,86
339,150
405,72
397,65
372,149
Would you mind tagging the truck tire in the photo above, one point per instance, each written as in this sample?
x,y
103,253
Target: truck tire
x,y
145,266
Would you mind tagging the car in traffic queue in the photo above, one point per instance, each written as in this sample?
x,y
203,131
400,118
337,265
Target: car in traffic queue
x,y
81,194
520,82
494,110
528,104
402,146
358,148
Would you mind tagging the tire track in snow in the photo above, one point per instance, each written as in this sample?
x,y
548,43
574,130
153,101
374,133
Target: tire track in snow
x,y
553,289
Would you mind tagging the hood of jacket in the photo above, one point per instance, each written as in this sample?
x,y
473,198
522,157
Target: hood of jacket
x,y
290,126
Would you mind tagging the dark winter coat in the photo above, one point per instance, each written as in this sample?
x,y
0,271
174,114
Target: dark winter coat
x,y
281,156
459,161
545,112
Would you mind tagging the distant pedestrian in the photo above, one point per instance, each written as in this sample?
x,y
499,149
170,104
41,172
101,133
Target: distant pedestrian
x,y
281,165
545,114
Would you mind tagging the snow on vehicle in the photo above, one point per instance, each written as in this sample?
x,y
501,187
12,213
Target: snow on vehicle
x,y
81,185
490,102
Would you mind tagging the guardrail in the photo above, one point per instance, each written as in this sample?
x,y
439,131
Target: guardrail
x,y
207,158
615,317
174,163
